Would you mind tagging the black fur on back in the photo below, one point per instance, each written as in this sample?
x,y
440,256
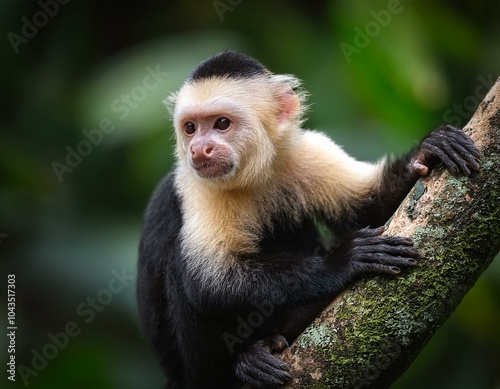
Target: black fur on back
x,y
228,64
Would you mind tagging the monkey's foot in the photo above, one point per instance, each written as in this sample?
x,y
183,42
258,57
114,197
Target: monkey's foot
x,y
258,368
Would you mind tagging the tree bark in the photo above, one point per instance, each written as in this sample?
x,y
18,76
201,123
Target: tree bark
x,y
371,333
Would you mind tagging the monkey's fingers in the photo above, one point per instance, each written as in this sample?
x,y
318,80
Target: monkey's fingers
x,y
458,159
440,152
459,137
370,237
451,146
259,369
372,253
420,168
382,263
469,154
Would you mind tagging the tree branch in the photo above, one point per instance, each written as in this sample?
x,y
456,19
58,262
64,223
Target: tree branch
x,y
369,336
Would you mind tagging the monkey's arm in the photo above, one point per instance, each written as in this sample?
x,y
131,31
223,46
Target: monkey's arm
x,y
445,144
289,280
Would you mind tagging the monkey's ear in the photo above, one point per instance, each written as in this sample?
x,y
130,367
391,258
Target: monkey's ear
x,y
289,106
290,97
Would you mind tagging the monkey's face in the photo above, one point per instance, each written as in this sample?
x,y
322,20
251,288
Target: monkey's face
x,y
206,141
221,134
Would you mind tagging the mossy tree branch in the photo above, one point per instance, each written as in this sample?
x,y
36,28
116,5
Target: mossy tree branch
x,y
369,336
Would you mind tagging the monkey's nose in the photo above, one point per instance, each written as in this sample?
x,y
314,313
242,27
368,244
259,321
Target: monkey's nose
x,y
201,152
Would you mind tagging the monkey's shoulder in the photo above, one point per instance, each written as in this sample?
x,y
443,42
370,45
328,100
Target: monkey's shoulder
x,y
163,218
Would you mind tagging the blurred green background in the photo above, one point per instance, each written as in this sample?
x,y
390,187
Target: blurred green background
x,y
380,74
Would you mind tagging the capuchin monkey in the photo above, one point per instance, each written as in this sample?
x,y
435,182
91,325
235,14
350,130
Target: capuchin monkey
x,y
231,268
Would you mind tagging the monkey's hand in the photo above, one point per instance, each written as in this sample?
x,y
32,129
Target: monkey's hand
x,y
449,145
370,252
257,367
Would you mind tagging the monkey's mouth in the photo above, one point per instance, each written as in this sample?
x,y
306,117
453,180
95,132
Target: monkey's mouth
x,y
212,169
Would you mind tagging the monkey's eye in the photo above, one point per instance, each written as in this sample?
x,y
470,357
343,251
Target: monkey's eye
x,y
222,124
189,128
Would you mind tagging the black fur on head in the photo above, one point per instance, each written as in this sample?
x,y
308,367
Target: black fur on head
x,y
228,64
